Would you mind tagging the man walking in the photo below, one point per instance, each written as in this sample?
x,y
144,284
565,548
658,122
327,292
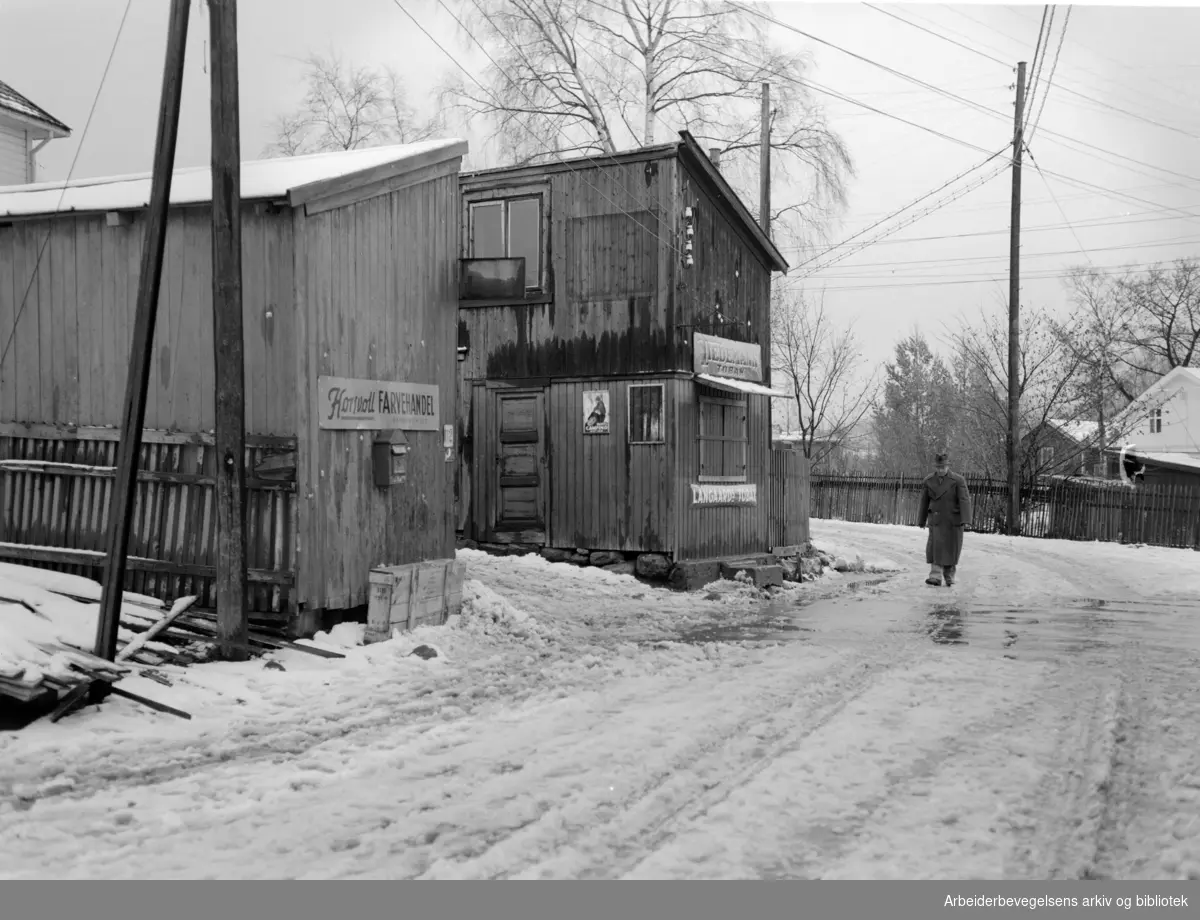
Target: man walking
x,y
946,508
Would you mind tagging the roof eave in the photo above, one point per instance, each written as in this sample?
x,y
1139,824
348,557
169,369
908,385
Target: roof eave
x,y
693,151
311,191
56,129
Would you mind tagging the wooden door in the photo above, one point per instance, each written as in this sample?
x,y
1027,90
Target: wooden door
x,y
519,478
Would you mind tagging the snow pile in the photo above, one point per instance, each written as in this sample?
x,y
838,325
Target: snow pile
x,y
488,613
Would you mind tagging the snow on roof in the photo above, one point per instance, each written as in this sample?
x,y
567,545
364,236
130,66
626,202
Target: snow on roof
x,y
193,185
14,102
1079,430
1178,461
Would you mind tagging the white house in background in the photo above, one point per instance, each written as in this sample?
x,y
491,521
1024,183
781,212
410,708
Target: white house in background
x,y
25,128
1163,420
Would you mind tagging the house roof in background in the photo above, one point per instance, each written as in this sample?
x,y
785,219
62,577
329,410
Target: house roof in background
x,y
1177,375
14,104
1079,430
1184,463
261,179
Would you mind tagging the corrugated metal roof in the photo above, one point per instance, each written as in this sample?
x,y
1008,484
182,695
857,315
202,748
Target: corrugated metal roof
x,y
14,102
261,179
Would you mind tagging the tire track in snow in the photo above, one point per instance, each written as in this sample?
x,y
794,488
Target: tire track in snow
x,y
1059,837
683,787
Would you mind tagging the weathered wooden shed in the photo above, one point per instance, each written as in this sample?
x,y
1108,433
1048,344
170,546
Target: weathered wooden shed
x,y
614,349
349,288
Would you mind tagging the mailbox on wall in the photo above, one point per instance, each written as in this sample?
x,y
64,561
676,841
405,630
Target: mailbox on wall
x,y
390,458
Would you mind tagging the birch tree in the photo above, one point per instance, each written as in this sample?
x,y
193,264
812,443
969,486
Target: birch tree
x,y
821,366
346,107
571,77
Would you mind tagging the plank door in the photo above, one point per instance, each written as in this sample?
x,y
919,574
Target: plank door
x,y
519,477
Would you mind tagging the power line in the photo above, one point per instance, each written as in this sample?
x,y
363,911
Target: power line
x,y
837,257
1075,92
1005,64
1046,182
967,102
1172,241
988,279
1039,57
66,183
906,207
455,61
1050,80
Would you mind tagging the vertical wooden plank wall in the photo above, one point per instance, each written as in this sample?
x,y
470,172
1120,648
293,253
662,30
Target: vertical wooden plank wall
x,y
382,300
62,389
69,357
605,493
706,533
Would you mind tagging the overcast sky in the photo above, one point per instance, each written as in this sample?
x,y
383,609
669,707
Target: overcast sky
x,y
1117,142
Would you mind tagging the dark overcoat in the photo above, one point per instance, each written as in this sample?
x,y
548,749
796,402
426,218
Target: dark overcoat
x,y
945,508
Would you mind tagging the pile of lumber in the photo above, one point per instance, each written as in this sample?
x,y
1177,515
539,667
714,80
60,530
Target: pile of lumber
x,y
150,635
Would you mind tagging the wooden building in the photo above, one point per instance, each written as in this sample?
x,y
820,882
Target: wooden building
x,y
614,352
25,128
349,291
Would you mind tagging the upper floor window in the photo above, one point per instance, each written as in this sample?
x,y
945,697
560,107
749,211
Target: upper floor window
x,y
510,228
1156,421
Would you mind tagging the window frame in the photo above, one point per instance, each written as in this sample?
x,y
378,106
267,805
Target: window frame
x,y
662,408
1156,421
538,285
726,402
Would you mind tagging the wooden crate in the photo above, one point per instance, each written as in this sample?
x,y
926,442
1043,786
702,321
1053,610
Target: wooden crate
x,y
418,594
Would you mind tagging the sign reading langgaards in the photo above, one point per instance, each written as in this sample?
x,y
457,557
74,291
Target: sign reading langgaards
x,y
726,358
719,493
348,404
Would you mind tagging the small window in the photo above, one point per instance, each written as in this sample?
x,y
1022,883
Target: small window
x,y
1156,421
723,439
1045,457
509,228
646,413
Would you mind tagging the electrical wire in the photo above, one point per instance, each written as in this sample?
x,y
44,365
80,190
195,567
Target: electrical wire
x,y
1050,80
904,208
668,243
905,223
1100,154
66,183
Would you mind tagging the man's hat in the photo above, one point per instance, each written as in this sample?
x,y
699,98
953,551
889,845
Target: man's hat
x,y
939,460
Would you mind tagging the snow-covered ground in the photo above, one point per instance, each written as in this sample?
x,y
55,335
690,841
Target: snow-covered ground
x,y
562,732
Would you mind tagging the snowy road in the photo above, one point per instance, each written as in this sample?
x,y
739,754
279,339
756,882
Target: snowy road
x,y
1037,720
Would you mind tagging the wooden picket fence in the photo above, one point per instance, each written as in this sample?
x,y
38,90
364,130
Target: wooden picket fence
x,y
56,487
1064,509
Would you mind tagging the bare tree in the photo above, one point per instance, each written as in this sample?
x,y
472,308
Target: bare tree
x,y
596,76
1047,385
346,107
822,367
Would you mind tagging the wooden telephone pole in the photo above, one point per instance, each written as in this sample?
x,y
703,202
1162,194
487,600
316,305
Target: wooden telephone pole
x,y
1014,316
124,487
764,174
228,345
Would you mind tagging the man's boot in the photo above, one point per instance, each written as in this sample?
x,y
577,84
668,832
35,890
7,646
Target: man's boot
x,y
951,571
935,576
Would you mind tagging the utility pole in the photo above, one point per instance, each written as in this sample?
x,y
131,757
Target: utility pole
x,y
228,344
146,310
1014,316
764,176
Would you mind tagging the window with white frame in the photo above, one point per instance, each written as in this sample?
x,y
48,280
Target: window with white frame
x,y
1156,421
722,437
647,422
510,228
1045,457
